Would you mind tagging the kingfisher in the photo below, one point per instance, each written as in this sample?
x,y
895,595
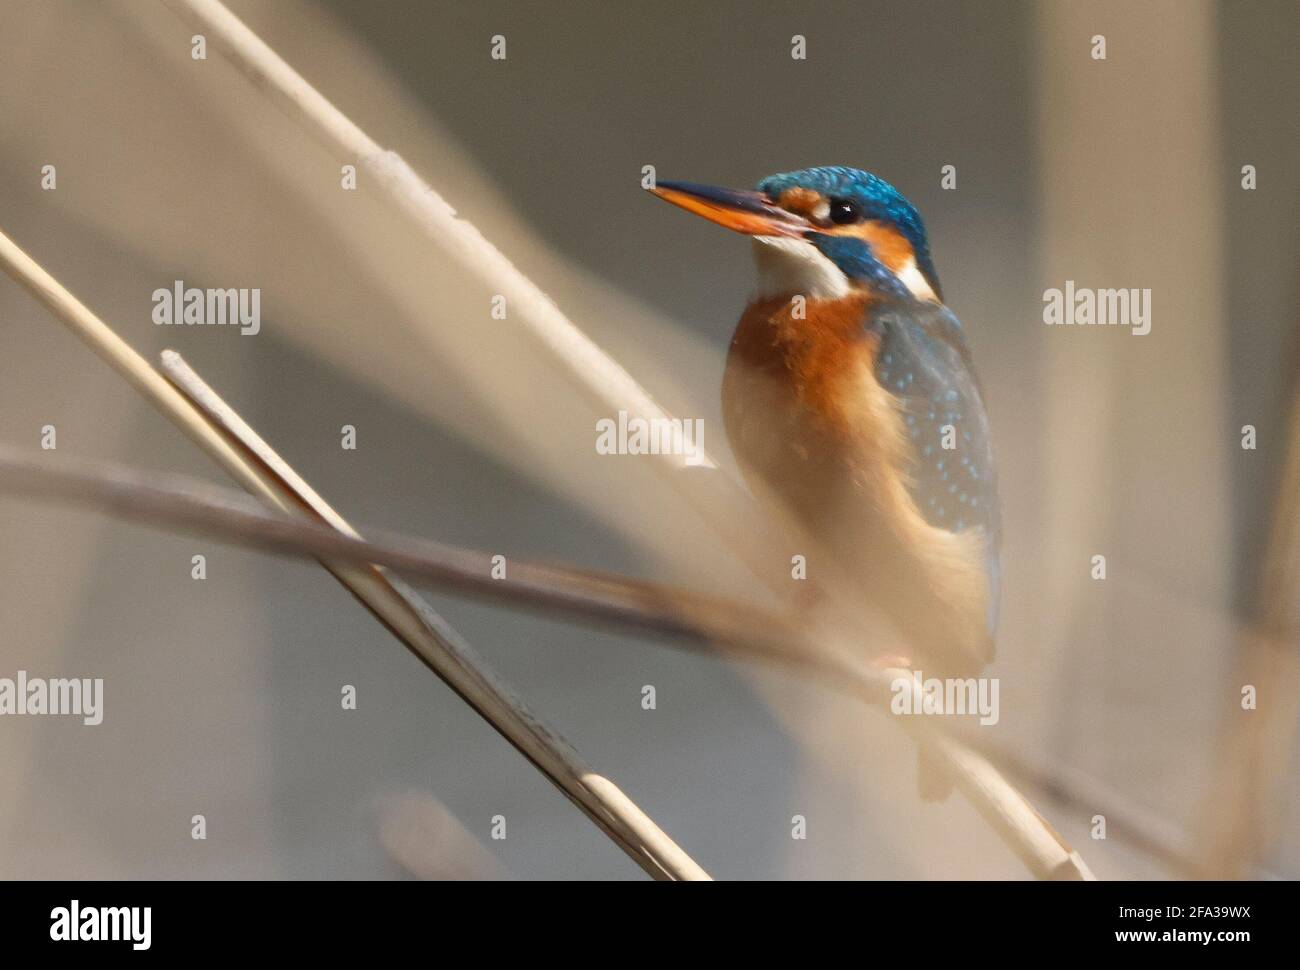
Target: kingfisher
x,y
851,402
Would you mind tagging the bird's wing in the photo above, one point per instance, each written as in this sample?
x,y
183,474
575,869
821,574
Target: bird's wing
x,y
923,360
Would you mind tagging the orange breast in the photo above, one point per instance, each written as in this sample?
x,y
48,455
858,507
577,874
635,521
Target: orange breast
x,y
815,432
804,412
819,363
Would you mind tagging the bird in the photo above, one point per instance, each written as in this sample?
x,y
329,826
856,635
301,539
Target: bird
x,y
851,402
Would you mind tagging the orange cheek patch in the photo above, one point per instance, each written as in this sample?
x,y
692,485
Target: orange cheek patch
x,y
887,244
802,201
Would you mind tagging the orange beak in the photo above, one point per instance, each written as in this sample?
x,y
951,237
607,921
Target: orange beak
x,y
747,212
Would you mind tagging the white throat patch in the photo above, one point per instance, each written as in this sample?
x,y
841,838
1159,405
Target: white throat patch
x,y
915,281
789,266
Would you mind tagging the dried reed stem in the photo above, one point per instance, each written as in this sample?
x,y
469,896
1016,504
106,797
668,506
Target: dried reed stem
x,y
628,604
631,604
1234,835
599,377
612,386
405,614
594,372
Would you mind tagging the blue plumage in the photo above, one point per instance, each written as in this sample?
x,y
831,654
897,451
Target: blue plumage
x,y
916,529
876,198
924,362
918,526
856,260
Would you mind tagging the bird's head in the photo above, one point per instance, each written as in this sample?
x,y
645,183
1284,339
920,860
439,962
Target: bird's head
x,y
822,232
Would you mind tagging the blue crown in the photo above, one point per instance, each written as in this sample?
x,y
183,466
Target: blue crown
x,y
873,196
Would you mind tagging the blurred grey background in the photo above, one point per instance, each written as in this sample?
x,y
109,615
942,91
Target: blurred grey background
x,y
222,696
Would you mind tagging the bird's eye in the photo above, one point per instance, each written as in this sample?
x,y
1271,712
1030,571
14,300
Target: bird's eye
x,y
843,212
